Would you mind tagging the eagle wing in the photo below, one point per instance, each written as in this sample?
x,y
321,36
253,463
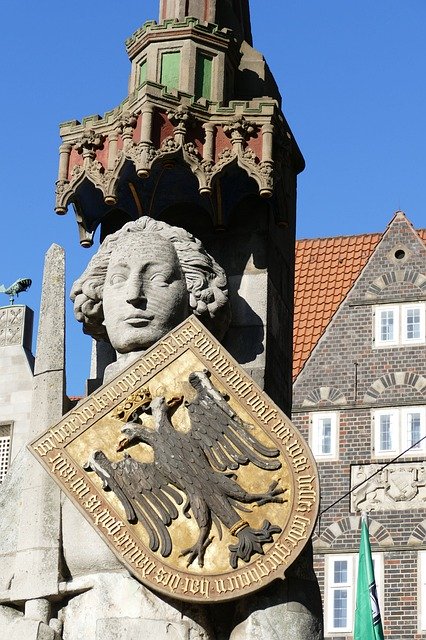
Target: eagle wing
x,y
224,438
145,493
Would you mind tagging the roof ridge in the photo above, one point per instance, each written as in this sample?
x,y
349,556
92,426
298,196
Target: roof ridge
x,y
349,235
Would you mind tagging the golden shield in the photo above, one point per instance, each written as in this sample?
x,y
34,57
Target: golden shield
x,y
197,481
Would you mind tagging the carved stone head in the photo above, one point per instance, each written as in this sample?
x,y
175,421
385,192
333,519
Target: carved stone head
x,y
143,281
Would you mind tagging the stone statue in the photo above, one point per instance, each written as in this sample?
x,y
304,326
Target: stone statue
x,y
145,279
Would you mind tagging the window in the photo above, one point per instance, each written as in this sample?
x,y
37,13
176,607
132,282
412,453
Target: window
x,y
340,593
323,438
388,319
170,69
402,324
422,590
340,596
395,430
203,76
142,72
413,325
5,441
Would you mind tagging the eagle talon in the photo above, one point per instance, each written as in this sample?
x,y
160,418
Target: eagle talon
x,y
271,495
251,541
198,550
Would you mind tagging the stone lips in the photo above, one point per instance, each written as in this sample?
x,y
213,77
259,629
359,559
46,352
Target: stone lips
x,y
63,448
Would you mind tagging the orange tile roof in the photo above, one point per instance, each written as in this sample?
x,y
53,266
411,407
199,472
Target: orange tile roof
x,y
326,269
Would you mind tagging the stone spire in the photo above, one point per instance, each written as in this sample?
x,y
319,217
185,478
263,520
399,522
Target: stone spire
x,y
231,14
200,142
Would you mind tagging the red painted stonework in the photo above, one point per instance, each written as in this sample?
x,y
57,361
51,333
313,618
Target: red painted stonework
x,y
102,154
162,128
197,136
222,142
75,159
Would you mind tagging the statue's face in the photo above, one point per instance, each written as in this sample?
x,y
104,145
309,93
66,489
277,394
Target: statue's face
x,y
145,293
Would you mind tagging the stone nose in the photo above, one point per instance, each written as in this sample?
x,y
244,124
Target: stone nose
x,y
134,291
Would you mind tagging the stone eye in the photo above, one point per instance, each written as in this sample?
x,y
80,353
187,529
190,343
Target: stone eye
x,y
117,278
159,280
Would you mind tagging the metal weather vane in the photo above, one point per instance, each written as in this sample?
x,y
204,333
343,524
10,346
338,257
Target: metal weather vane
x,y
201,464
23,284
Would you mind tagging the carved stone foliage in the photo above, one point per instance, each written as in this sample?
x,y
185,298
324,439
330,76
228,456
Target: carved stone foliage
x,y
11,326
398,487
143,154
89,142
239,129
128,122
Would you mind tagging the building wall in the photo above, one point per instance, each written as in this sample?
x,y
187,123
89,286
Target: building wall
x,y
16,379
352,378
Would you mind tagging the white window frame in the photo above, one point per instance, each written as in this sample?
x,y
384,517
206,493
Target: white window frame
x,y
378,341
394,428
404,311
332,587
316,419
350,586
399,431
421,582
400,325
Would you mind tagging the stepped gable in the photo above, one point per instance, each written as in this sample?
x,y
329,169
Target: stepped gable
x,y
326,270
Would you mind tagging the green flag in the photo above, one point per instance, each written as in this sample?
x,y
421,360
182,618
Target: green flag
x,y
368,623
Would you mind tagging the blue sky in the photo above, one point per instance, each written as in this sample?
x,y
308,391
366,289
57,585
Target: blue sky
x,y
352,78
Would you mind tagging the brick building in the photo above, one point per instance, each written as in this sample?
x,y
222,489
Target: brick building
x,y
360,400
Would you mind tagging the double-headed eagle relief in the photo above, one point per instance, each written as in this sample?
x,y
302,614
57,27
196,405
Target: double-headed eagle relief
x,y
196,480
202,464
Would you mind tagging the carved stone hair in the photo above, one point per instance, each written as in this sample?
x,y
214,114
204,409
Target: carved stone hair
x,y
205,279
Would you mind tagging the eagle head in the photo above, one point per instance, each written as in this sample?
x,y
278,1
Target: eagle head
x,y
198,379
158,406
